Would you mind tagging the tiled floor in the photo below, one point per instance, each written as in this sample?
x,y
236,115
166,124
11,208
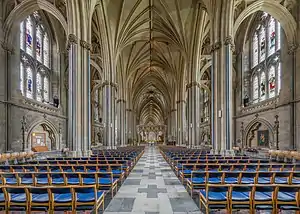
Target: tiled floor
x,y
152,188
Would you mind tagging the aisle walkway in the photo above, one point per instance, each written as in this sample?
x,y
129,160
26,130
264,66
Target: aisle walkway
x,y
152,188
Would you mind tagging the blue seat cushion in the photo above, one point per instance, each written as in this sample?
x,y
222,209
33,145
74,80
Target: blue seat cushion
x,y
262,196
231,180
281,180
264,180
26,181
88,181
296,181
198,180
246,180
57,180
88,197
214,180
63,197
187,171
106,181
116,171
214,196
240,196
18,197
42,180
11,180
40,198
73,180
2,197
286,196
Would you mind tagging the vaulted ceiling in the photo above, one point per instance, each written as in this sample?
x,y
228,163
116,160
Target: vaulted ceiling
x,y
151,41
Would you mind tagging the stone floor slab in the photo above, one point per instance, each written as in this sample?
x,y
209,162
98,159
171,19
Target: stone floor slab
x,y
121,205
132,182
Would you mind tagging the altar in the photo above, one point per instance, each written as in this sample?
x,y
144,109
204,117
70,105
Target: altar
x,y
151,134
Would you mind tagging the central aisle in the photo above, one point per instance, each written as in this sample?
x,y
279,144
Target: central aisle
x,y
151,188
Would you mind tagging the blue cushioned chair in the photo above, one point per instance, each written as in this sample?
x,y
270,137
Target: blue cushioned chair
x,y
66,168
214,196
225,168
263,197
88,178
241,197
57,178
282,177
232,177
276,167
5,168
72,178
10,179
17,199
79,169
17,168
265,177
196,181
213,168
42,179
251,168
287,197
264,168
92,168
62,199
2,198
42,168
295,178
54,169
106,181
247,177
72,162
215,177
39,199
29,168
26,179
238,167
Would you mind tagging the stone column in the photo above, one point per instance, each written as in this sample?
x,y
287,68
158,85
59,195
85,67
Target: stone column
x,y
180,122
79,127
129,120
193,112
109,113
222,110
173,122
121,106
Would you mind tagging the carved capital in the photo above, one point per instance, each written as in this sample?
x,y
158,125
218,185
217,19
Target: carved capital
x,y
172,110
72,39
85,45
180,101
192,84
229,41
292,48
216,46
128,109
8,48
121,101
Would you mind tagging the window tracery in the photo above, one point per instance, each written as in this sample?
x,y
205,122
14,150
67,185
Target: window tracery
x,y
35,59
265,59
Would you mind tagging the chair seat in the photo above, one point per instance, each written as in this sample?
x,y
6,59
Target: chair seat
x,y
262,196
87,181
264,180
214,180
187,171
117,171
11,181
106,181
63,198
240,196
281,180
295,181
198,180
27,181
247,180
73,181
214,196
230,180
58,181
42,181
18,197
88,197
286,196
40,198
2,197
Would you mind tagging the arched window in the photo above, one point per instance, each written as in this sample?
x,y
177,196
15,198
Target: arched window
x,y
205,105
35,58
265,60
96,105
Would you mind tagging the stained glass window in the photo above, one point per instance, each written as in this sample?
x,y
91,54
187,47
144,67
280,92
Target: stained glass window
x,y
255,88
38,87
46,51
29,36
262,86
22,78
265,57
272,36
46,89
22,41
35,50
29,85
96,106
38,44
262,44
255,50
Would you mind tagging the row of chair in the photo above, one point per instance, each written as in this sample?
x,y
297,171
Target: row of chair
x,y
49,199
197,180
81,162
251,197
103,180
187,168
219,161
